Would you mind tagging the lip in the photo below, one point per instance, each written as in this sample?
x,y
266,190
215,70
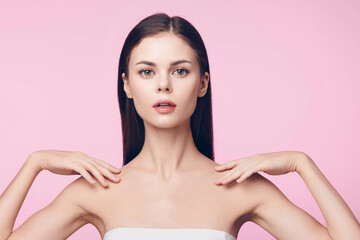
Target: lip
x,y
172,104
164,109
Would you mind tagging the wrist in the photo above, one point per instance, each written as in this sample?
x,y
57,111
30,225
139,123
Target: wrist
x,y
303,162
34,161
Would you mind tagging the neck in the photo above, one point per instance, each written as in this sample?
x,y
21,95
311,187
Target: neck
x,y
168,151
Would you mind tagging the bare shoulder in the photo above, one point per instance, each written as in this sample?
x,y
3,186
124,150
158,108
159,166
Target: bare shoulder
x,y
258,191
98,201
79,192
242,202
257,183
244,199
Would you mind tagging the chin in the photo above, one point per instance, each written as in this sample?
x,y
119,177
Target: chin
x,y
167,123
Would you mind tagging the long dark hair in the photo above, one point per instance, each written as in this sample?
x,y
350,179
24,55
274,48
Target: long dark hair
x,y
133,131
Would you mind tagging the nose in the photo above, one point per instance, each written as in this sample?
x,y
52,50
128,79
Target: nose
x,y
164,85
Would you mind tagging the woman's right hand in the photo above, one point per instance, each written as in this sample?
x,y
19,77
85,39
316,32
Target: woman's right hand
x,y
72,163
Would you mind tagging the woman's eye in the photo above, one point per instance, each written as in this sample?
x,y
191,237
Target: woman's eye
x,y
146,71
181,70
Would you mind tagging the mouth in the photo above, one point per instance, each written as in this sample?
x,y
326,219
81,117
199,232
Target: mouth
x,y
164,106
164,103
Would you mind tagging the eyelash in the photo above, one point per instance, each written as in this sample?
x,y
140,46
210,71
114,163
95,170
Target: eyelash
x,y
183,69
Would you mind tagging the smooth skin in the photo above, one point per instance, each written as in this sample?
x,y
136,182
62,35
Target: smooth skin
x,y
64,215
280,217
271,209
170,179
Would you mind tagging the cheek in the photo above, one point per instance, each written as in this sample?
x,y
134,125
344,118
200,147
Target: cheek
x,y
141,96
188,97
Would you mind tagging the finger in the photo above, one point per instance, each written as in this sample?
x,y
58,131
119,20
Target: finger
x,y
226,180
107,165
240,165
106,172
226,166
85,174
231,176
95,172
238,171
226,176
248,172
244,176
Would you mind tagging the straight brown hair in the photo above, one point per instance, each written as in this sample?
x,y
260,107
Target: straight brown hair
x,y
133,132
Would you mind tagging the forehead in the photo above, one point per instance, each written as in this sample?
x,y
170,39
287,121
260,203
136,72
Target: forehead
x,y
162,48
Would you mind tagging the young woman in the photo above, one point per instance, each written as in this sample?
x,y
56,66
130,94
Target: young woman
x,y
171,187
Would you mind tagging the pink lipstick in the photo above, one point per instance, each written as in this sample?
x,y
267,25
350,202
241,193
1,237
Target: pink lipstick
x,y
164,106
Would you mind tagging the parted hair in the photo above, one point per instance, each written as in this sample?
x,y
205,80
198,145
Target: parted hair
x,y
133,132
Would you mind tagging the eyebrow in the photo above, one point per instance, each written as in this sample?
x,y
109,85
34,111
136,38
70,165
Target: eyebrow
x,y
171,63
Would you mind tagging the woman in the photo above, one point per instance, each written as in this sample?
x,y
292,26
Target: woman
x,y
171,187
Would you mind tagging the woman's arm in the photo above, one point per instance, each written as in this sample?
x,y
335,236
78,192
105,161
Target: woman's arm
x,y
65,214
275,213
13,197
341,222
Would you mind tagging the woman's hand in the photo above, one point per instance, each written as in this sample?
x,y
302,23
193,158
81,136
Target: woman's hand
x,y
274,163
72,163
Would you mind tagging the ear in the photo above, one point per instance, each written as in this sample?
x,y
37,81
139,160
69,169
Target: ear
x,y
204,84
126,86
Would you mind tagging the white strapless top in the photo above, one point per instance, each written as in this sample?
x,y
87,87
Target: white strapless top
x,y
122,233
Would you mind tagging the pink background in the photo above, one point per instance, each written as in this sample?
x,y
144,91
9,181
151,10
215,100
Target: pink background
x,y
285,76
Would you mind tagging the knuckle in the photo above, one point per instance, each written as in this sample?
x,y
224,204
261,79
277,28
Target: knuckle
x,y
85,174
90,165
237,168
76,168
98,165
77,154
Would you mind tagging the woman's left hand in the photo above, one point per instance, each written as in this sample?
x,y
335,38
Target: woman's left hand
x,y
274,163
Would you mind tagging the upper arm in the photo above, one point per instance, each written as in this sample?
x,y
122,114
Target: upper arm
x,y
58,220
280,217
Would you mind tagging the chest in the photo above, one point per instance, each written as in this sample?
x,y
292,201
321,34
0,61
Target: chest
x,y
187,203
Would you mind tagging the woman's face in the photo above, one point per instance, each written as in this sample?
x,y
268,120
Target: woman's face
x,y
158,79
